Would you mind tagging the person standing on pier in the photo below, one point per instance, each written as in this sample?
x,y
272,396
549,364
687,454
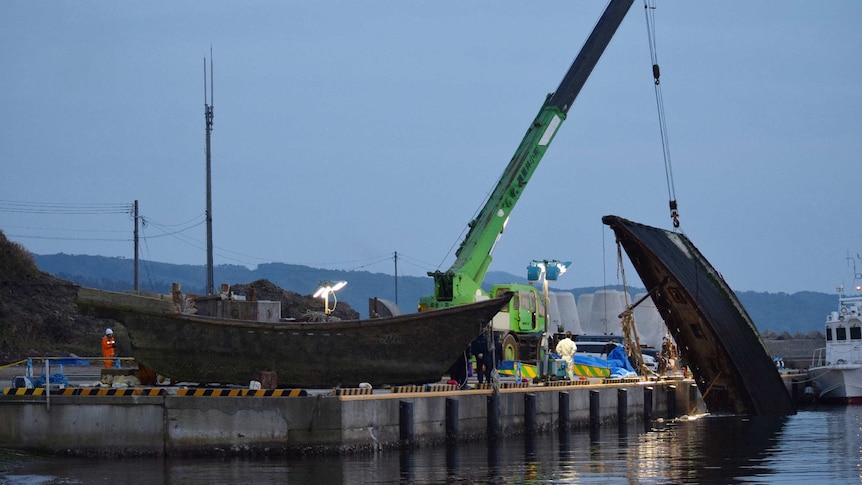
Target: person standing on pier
x,y
479,348
108,344
567,348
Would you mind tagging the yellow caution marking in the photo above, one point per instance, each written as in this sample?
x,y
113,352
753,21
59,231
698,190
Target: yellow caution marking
x,y
241,392
407,388
13,364
98,391
87,391
278,393
516,368
590,371
439,388
622,380
21,391
504,385
352,391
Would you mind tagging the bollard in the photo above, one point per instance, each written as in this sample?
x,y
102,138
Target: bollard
x,y
451,418
648,391
530,412
671,401
622,405
405,421
493,416
563,400
595,409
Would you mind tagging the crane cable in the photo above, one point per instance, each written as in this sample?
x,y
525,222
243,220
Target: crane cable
x,y
649,9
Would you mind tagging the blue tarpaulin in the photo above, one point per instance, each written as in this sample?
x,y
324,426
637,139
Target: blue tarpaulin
x,y
53,379
617,362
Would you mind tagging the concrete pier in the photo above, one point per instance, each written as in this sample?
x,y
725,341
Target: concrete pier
x,y
167,422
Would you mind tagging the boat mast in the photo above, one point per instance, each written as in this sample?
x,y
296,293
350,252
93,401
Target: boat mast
x,y
208,114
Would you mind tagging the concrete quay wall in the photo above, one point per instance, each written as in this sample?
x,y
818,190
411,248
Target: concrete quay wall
x,y
175,425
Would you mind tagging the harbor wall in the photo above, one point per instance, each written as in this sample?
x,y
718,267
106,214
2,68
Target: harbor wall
x,y
175,425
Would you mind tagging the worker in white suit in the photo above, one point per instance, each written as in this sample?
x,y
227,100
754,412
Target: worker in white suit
x,y
567,348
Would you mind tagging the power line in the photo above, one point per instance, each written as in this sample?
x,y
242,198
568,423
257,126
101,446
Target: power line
x,y
37,228
64,208
176,231
58,238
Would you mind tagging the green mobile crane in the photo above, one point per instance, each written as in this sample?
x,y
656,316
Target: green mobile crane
x,y
522,325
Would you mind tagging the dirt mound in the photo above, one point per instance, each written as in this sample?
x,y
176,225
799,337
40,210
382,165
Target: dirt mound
x,y
293,305
38,315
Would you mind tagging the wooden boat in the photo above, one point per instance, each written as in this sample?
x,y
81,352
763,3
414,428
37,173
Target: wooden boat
x,y
413,348
713,332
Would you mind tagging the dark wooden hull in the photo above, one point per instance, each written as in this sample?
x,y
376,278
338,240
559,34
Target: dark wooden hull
x,y
714,333
416,348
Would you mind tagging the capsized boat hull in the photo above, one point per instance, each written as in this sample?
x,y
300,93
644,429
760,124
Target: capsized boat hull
x,y
715,335
415,348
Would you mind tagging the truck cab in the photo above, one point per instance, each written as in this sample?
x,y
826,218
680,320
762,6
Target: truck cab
x,y
520,325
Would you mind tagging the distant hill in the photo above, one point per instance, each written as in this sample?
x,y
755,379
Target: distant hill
x,y
800,312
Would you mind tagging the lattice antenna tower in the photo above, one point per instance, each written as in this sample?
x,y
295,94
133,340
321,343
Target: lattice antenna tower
x,y
208,114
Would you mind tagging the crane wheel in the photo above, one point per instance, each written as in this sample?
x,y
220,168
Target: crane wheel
x,y
510,347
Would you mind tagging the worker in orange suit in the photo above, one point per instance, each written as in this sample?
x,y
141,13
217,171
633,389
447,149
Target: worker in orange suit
x,y
108,344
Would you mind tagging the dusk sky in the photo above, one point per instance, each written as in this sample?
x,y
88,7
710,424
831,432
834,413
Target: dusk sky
x,y
345,131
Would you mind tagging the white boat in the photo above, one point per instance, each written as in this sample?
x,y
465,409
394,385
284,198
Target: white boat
x,y
837,368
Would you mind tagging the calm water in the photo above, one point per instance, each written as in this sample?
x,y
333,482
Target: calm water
x,y
822,445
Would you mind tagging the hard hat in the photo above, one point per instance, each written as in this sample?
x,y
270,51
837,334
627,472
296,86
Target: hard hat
x,y
109,332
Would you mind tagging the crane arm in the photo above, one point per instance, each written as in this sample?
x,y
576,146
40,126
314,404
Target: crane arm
x,y
463,281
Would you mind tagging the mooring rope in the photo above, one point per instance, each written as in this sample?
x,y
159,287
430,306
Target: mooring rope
x,y
627,319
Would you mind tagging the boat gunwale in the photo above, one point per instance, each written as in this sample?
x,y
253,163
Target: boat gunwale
x,y
287,325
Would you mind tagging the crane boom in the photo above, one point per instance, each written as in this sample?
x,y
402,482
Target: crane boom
x,y
462,282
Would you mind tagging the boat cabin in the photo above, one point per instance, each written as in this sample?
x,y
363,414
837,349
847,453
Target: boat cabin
x,y
227,304
844,333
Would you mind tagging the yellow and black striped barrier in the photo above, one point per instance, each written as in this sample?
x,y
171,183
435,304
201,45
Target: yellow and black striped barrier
x,y
504,385
205,392
411,388
558,383
352,391
440,387
85,391
622,380
407,388
23,391
128,391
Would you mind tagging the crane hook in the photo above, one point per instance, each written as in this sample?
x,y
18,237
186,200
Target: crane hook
x,y
674,213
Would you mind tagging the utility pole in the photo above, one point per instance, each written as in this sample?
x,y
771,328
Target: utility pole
x,y
137,285
396,277
208,114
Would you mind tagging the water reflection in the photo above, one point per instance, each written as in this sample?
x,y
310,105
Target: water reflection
x,y
707,450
